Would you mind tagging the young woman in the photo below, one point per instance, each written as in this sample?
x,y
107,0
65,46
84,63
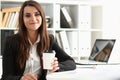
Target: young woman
x,y
28,45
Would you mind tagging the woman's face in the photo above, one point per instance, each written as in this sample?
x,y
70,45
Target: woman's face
x,y
32,18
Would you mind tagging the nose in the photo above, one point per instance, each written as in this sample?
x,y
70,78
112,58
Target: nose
x,y
33,17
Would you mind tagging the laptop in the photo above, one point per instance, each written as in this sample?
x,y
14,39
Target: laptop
x,y
101,52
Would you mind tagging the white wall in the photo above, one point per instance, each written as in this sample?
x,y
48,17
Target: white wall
x,y
111,25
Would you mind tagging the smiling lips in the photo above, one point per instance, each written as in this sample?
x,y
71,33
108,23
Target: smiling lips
x,y
33,23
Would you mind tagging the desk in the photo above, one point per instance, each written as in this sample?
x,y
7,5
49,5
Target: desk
x,y
98,72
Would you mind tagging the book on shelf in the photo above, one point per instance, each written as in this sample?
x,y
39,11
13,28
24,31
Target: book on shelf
x,y
8,20
84,16
11,20
4,20
56,17
64,41
73,42
58,39
84,44
9,14
65,18
15,20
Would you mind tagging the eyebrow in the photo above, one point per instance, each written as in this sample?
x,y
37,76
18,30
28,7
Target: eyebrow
x,y
34,12
30,13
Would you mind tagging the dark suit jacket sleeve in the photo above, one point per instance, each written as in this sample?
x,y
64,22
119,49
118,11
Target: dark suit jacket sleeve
x,y
65,61
10,71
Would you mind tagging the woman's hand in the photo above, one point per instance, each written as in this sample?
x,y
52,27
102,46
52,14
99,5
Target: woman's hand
x,y
55,65
29,76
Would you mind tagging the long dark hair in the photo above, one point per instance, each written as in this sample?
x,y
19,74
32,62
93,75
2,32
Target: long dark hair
x,y
42,31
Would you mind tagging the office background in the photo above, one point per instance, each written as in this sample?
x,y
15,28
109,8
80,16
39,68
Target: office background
x,y
87,20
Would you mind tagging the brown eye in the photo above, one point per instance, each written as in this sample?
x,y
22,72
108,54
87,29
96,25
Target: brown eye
x,y
37,14
27,15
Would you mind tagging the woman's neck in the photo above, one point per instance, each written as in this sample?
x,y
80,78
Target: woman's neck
x,y
33,36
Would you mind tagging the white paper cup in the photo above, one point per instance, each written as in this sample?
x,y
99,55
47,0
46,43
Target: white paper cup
x,y
48,58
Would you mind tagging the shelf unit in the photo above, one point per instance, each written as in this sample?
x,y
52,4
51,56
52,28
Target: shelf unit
x,y
87,17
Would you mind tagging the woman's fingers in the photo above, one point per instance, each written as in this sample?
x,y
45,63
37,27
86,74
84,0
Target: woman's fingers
x,y
55,65
29,76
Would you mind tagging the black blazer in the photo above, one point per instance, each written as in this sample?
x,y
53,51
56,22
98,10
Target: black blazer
x,y
11,70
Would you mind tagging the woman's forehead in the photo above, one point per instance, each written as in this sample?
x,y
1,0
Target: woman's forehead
x,y
30,9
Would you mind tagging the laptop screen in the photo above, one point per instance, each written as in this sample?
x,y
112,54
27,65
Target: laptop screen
x,y
101,50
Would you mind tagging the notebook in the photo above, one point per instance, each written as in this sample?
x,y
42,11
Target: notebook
x,y
101,52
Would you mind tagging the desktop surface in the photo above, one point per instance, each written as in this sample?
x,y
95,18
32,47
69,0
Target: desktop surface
x,y
94,72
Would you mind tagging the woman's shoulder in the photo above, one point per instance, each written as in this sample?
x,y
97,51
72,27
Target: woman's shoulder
x,y
14,37
52,38
13,41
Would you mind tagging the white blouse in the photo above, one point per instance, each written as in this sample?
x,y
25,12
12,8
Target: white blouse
x,y
33,63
